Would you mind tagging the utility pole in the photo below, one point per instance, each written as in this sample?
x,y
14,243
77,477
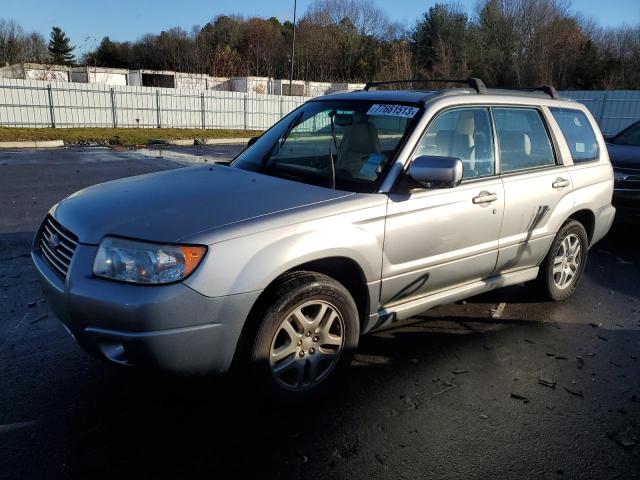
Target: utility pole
x,y
293,45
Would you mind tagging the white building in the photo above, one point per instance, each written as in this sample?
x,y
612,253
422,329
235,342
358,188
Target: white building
x,y
36,71
316,89
201,81
196,81
171,79
101,75
220,83
260,85
152,78
281,87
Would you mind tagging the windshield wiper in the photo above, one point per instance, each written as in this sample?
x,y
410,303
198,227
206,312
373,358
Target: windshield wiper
x,y
294,123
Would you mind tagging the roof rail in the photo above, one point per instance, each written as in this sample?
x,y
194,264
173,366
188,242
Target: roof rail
x,y
548,89
473,82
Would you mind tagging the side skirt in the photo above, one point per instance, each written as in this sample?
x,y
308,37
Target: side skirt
x,y
408,309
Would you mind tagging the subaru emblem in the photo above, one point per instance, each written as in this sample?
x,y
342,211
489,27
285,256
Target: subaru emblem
x,y
53,241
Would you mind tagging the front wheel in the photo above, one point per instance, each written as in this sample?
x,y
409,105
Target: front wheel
x,y
563,266
307,336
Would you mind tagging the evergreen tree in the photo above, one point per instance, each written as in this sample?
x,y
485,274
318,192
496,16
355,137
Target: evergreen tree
x,y
60,48
109,54
441,42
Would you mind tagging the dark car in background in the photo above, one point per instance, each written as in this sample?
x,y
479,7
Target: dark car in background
x,y
624,153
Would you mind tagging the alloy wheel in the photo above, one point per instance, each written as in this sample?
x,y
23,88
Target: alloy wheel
x,y
307,345
566,263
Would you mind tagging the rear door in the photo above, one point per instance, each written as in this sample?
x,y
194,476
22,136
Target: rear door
x,y
439,238
535,184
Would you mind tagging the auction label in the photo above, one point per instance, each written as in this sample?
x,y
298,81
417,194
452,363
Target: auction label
x,y
393,110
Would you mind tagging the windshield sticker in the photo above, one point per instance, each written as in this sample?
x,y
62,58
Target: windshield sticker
x,y
370,169
393,111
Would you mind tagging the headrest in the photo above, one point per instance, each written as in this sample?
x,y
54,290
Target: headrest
x,y
515,142
361,137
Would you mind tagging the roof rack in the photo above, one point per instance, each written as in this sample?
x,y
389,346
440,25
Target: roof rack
x,y
548,89
473,82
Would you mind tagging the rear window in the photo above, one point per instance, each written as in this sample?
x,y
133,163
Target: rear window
x,y
578,133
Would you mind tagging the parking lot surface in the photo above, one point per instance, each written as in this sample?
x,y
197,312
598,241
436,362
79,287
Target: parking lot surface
x,y
498,386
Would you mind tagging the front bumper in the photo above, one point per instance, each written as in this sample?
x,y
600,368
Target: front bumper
x,y
171,327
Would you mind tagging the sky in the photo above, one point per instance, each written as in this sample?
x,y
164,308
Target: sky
x,y
87,21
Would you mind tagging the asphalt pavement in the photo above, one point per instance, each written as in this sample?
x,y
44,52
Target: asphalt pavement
x,y
498,386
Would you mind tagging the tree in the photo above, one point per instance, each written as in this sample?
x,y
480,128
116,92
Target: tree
x,y
16,46
60,47
34,48
507,43
110,54
440,42
10,37
226,62
262,45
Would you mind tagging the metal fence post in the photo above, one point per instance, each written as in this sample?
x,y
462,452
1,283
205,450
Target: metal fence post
x,y
52,113
281,110
203,111
114,116
158,107
603,108
245,111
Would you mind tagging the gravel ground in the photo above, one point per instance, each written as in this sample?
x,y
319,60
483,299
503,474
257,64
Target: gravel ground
x,y
499,386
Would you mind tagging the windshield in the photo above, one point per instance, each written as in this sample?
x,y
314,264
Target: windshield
x,y
629,136
347,145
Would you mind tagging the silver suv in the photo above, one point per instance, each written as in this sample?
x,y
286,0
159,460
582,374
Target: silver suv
x,y
354,211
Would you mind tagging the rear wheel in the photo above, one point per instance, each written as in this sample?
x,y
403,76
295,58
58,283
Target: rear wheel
x,y
307,336
563,266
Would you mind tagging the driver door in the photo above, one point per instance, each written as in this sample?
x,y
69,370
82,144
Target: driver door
x,y
436,239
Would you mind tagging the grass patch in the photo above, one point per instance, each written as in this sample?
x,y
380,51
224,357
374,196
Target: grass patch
x,y
115,136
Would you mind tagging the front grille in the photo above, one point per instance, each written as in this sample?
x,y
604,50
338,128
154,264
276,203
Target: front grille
x,y
627,179
57,245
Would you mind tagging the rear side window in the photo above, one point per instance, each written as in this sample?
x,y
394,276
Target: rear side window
x,y
523,139
578,133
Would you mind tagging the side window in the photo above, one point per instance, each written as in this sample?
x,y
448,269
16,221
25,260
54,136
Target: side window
x,y
463,133
522,138
578,133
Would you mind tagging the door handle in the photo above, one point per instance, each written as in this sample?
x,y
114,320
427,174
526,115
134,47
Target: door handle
x,y
560,183
485,197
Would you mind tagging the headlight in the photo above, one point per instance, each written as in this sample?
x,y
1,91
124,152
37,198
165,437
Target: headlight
x,y
142,262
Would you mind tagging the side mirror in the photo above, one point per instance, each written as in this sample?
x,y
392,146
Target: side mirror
x,y
436,172
252,140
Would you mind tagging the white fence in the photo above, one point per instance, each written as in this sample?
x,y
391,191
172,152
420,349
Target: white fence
x,y
32,103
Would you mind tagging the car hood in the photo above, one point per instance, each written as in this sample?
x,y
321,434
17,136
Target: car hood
x,y
624,156
173,205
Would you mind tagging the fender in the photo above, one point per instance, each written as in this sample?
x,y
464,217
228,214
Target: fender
x,y
249,263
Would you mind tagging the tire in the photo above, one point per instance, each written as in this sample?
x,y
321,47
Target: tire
x,y
306,338
571,238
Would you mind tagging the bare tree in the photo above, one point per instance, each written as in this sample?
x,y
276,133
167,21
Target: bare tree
x,y
505,42
367,18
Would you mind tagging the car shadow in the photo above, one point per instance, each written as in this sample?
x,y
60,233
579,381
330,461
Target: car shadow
x,y
615,259
154,426
64,414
